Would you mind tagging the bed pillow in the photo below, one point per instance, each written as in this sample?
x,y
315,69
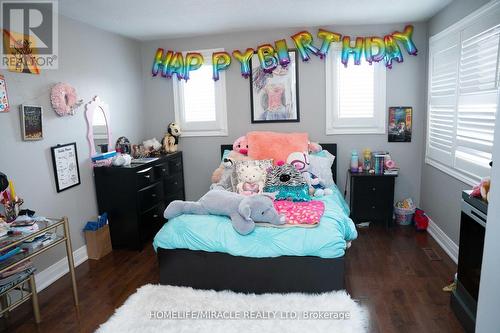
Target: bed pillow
x,y
321,166
263,165
275,146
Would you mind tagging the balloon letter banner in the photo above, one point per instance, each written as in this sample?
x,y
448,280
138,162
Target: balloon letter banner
x,y
373,48
220,61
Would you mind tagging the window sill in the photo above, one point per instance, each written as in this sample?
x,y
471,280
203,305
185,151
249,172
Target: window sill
x,y
204,133
452,172
351,130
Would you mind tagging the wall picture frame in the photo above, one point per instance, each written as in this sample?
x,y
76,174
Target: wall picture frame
x,y
4,97
274,96
31,122
65,163
400,123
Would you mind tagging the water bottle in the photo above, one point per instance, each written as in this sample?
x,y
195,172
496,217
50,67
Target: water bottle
x,y
354,161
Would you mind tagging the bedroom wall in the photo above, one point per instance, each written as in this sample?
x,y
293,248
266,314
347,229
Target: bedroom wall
x,y
405,86
94,62
441,193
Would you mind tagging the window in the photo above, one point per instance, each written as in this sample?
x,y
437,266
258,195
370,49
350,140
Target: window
x,y
355,97
200,103
463,95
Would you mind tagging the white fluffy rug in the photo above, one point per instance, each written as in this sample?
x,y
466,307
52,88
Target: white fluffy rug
x,y
155,308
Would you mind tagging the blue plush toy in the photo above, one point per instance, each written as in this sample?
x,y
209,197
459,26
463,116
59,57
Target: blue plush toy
x,y
243,210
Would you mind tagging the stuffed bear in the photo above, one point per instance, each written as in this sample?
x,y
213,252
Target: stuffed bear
x,y
221,170
250,179
300,160
225,178
243,211
171,139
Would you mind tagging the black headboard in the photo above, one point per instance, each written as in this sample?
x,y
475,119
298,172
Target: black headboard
x,y
331,147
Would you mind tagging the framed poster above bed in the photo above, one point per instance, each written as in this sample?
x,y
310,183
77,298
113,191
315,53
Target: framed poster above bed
x,y
274,96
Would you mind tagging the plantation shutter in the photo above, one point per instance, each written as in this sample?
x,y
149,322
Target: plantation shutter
x,y
478,98
442,99
464,74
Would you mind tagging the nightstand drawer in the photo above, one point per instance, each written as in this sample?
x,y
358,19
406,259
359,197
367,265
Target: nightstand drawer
x,y
367,187
150,196
372,208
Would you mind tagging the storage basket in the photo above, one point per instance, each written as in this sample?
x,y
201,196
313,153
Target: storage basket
x,y
404,216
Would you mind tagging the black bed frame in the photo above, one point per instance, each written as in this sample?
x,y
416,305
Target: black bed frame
x,y
222,271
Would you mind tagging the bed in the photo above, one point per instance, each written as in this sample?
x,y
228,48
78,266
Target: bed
x,y
204,252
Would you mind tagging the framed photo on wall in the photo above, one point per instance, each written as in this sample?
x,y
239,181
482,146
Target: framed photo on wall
x,y
65,162
31,122
400,123
274,96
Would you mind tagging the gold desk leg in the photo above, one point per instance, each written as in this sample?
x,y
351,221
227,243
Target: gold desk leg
x,y
34,298
71,263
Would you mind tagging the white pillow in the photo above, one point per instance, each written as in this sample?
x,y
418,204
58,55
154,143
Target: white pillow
x,y
321,166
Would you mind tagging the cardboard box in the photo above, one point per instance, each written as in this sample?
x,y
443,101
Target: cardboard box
x,y
98,242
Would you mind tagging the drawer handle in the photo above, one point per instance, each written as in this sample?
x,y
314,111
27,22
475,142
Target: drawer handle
x,y
178,164
155,216
163,170
153,195
373,207
374,188
175,183
147,176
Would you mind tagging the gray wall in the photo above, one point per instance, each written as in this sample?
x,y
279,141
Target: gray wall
x,y
94,62
440,193
405,86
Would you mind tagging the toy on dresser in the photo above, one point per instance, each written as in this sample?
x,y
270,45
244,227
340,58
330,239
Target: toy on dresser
x,y
171,139
300,160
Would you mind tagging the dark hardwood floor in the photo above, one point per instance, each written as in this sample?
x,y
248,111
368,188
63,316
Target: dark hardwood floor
x,y
386,270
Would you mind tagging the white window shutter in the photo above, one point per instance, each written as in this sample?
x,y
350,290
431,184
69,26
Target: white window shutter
x,y
443,82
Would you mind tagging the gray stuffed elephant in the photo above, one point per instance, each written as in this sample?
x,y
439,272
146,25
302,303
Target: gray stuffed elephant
x,y
243,210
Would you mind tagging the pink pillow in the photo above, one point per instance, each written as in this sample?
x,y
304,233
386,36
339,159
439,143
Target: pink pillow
x,y
274,145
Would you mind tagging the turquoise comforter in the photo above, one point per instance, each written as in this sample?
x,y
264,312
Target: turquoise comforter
x,y
212,233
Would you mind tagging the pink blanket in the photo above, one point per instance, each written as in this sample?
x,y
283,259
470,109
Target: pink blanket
x,y
301,213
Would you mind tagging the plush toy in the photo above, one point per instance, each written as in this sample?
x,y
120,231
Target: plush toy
x,y
482,190
250,179
233,156
171,139
241,145
243,211
314,147
287,182
300,160
152,147
225,178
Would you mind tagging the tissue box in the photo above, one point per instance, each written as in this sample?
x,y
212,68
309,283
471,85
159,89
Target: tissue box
x,y
98,242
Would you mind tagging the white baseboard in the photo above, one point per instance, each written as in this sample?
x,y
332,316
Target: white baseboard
x,y
45,278
443,240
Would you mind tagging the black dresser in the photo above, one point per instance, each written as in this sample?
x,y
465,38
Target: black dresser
x,y
372,197
136,196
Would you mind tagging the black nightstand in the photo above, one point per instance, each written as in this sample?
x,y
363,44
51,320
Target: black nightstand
x,y
372,197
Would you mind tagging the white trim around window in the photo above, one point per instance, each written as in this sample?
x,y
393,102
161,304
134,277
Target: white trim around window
x,y
210,92
338,121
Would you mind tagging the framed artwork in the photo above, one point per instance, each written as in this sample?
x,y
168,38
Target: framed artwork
x,y
31,122
274,96
400,123
4,98
65,162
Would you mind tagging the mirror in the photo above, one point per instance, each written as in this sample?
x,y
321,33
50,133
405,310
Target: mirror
x,y
98,127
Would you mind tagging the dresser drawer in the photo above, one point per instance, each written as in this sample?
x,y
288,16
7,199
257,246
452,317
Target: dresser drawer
x,y
151,221
173,184
175,165
145,177
161,170
372,208
176,196
150,196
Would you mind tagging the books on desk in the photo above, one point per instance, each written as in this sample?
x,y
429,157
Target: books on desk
x,y
391,172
